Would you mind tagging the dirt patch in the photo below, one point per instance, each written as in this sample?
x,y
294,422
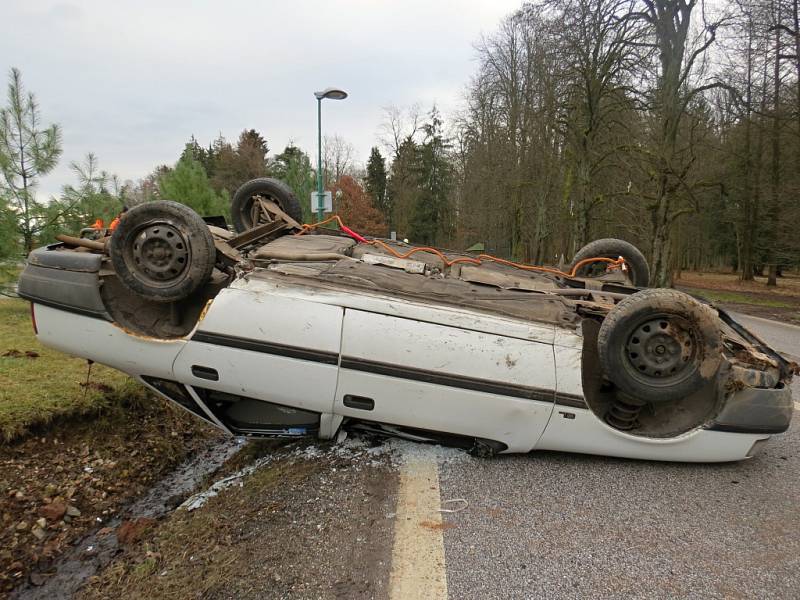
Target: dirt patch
x,y
309,524
75,475
130,532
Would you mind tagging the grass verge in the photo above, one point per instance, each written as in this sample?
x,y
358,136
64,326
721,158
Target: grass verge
x,y
738,298
38,384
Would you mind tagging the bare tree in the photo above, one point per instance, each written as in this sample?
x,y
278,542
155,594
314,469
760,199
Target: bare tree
x,y
679,80
337,158
600,53
398,126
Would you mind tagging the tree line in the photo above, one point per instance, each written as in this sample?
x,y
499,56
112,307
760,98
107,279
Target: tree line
x,y
670,123
673,124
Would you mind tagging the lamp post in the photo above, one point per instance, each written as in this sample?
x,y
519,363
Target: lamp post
x,y
332,94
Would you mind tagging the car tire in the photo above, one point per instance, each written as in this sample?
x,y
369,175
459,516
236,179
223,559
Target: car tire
x,y
162,251
660,345
614,248
274,189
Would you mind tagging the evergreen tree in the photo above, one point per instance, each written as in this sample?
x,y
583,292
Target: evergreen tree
x,y
252,153
27,151
293,167
430,219
188,183
202,155
375,182
402,188
232,167
97,195
9,234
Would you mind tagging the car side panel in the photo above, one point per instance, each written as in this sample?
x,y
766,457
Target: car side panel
x,y
446,379
106,343
267,347
587,434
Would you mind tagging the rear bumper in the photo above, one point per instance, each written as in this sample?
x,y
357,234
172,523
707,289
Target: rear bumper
x,y
756,410
65,280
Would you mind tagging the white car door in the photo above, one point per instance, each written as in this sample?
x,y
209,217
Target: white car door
x,y
441,378
267,347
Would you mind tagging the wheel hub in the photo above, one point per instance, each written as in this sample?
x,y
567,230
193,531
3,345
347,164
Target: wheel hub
x,y
160,252
660,348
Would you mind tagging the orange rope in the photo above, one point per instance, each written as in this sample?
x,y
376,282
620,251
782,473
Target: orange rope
x,y
309,226
619,262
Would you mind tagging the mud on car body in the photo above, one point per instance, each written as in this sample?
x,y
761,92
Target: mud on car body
x,y
283,329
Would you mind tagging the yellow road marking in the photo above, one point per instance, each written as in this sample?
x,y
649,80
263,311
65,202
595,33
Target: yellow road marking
x,y
418,565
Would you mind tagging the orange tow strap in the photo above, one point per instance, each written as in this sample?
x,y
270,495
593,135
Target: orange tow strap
x,y
612,262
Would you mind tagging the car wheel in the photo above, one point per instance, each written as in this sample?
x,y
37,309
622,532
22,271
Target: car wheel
x,y
269,189
613,248
162,251
659,345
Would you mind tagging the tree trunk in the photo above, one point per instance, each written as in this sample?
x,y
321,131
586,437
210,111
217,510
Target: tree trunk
x,y
772,260
772,275
660,265
748,222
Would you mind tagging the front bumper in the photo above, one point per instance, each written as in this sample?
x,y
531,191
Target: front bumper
x,y
756,410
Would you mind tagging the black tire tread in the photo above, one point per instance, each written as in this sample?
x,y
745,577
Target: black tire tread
x,y
658,300
283,194
202,247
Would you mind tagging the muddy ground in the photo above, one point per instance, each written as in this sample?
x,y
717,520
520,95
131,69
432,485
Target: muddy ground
x,y
75,476
311,522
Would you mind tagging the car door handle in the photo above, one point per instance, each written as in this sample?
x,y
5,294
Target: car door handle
x,y
205,373
358,402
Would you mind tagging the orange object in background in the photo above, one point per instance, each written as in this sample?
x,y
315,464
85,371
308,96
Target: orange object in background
x,y
98,224
113,225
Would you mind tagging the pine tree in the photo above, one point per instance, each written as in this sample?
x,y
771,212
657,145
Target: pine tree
x,y
375,182
27,151
234,166
403,187
188,183
293,167
97,195
194,150
430,219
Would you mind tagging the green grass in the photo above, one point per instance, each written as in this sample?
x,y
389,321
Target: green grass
x,y
9,272
34,391
738,298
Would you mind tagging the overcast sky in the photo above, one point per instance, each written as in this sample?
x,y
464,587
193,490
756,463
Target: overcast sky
x,y
131,81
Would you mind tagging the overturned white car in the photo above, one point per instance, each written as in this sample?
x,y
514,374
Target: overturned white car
x,y
289,330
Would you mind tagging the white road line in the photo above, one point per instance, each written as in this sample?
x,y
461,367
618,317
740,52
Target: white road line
x,y
418,566
797,405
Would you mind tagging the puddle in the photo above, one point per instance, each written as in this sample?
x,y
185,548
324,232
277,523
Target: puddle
x,y
95,551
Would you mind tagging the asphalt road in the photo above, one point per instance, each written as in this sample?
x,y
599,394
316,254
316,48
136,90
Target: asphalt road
x,y
782,337
550,525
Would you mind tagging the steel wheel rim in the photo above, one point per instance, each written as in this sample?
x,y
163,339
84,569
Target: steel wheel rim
x,y
159,254
661,350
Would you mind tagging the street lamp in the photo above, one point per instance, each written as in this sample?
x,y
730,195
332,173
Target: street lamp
x,y
331,94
